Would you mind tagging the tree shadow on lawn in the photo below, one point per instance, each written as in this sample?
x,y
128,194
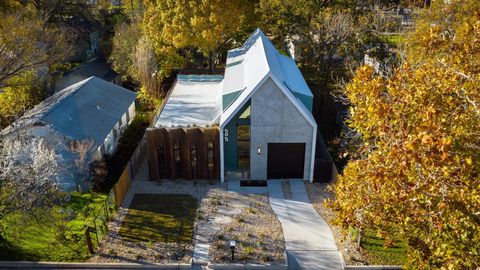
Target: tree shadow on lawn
x,y
166,218
379,254
10,252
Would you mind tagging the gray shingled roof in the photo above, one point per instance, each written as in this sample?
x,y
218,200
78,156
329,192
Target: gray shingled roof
x,y
86,110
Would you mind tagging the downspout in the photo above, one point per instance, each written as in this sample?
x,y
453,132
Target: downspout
x,y
312,160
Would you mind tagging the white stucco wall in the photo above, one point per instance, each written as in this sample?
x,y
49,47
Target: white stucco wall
x,y
275,119
111,141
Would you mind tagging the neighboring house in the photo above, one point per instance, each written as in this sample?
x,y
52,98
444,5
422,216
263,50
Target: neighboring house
x,y
262,107
83,122
97,67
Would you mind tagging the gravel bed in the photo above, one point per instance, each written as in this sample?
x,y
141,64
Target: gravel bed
x,y
115,249
246,218
249,220
317,193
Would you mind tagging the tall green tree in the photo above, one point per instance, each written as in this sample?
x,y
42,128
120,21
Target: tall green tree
x,y
125,41
417,175
287,18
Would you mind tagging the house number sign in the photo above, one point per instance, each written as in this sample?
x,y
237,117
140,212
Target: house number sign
x,y
226,134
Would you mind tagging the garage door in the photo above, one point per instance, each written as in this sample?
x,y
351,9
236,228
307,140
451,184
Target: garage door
x,y
285,160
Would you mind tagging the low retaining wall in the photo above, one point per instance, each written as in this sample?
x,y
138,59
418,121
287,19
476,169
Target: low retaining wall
x,y
250,266
63,265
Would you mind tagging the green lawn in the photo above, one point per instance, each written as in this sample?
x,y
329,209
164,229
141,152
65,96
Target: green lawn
x,y
55,236
379,255
393,40
164,218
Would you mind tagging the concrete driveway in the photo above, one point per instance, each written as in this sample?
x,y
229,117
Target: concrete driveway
x,y
308,238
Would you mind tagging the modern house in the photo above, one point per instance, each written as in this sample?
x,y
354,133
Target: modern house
x,y
262,108
83,122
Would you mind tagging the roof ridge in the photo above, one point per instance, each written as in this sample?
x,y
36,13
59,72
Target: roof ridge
x,y
69,95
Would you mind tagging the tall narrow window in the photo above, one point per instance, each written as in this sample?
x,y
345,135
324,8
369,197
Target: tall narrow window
x,y
246,113
243,147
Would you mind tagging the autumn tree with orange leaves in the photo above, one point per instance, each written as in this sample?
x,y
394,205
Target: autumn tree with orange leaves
x,y
417,175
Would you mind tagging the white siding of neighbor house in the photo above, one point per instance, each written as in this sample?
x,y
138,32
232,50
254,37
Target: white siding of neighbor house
x,y
111,141
275,119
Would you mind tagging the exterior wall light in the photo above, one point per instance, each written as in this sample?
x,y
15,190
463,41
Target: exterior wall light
x,y
233,245
259,150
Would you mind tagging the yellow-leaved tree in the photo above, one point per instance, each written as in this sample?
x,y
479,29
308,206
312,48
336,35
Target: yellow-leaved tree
x,y
204,25
417,175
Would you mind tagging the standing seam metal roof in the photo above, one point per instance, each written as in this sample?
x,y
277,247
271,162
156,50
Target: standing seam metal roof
x,y
260,61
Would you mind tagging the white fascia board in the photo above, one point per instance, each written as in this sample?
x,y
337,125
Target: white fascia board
x,y
312,161
298,104
308,115
240,101
222,158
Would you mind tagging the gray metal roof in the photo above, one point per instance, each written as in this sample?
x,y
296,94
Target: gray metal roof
x,y
97,67
85,110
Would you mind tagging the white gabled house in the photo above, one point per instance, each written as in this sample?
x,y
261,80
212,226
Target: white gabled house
x,y
262,106
90,114
267,126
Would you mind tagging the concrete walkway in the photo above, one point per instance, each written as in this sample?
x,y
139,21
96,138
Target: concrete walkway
x,y
309,241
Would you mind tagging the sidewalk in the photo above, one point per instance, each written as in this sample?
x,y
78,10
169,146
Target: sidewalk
x,y
309,241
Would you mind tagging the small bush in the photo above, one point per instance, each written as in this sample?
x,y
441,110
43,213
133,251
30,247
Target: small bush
x,y
249,250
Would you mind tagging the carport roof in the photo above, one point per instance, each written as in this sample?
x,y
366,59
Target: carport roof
x,y
194,101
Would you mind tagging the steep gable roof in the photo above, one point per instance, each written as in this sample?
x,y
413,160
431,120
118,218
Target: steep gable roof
x,y
250,65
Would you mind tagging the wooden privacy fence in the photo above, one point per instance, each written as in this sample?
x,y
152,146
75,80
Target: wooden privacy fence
x,y
120,189
189,153
137,158
95,234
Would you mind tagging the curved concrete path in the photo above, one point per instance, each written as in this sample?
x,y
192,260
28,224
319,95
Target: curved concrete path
x,y
308,239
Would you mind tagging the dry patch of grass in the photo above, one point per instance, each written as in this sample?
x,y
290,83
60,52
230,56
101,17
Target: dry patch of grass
x,y
157,228
252,224
164,218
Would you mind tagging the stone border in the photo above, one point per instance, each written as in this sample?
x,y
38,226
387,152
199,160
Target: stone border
x,y
249,266
66,265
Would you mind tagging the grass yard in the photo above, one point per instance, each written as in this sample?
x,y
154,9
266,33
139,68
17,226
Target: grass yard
x,y
166,218
393,40
54,236
374,249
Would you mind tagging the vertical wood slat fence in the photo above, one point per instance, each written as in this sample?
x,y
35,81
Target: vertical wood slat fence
x,y
189,153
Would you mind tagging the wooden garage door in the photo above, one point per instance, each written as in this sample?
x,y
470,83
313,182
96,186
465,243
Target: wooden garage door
x,y
285,160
